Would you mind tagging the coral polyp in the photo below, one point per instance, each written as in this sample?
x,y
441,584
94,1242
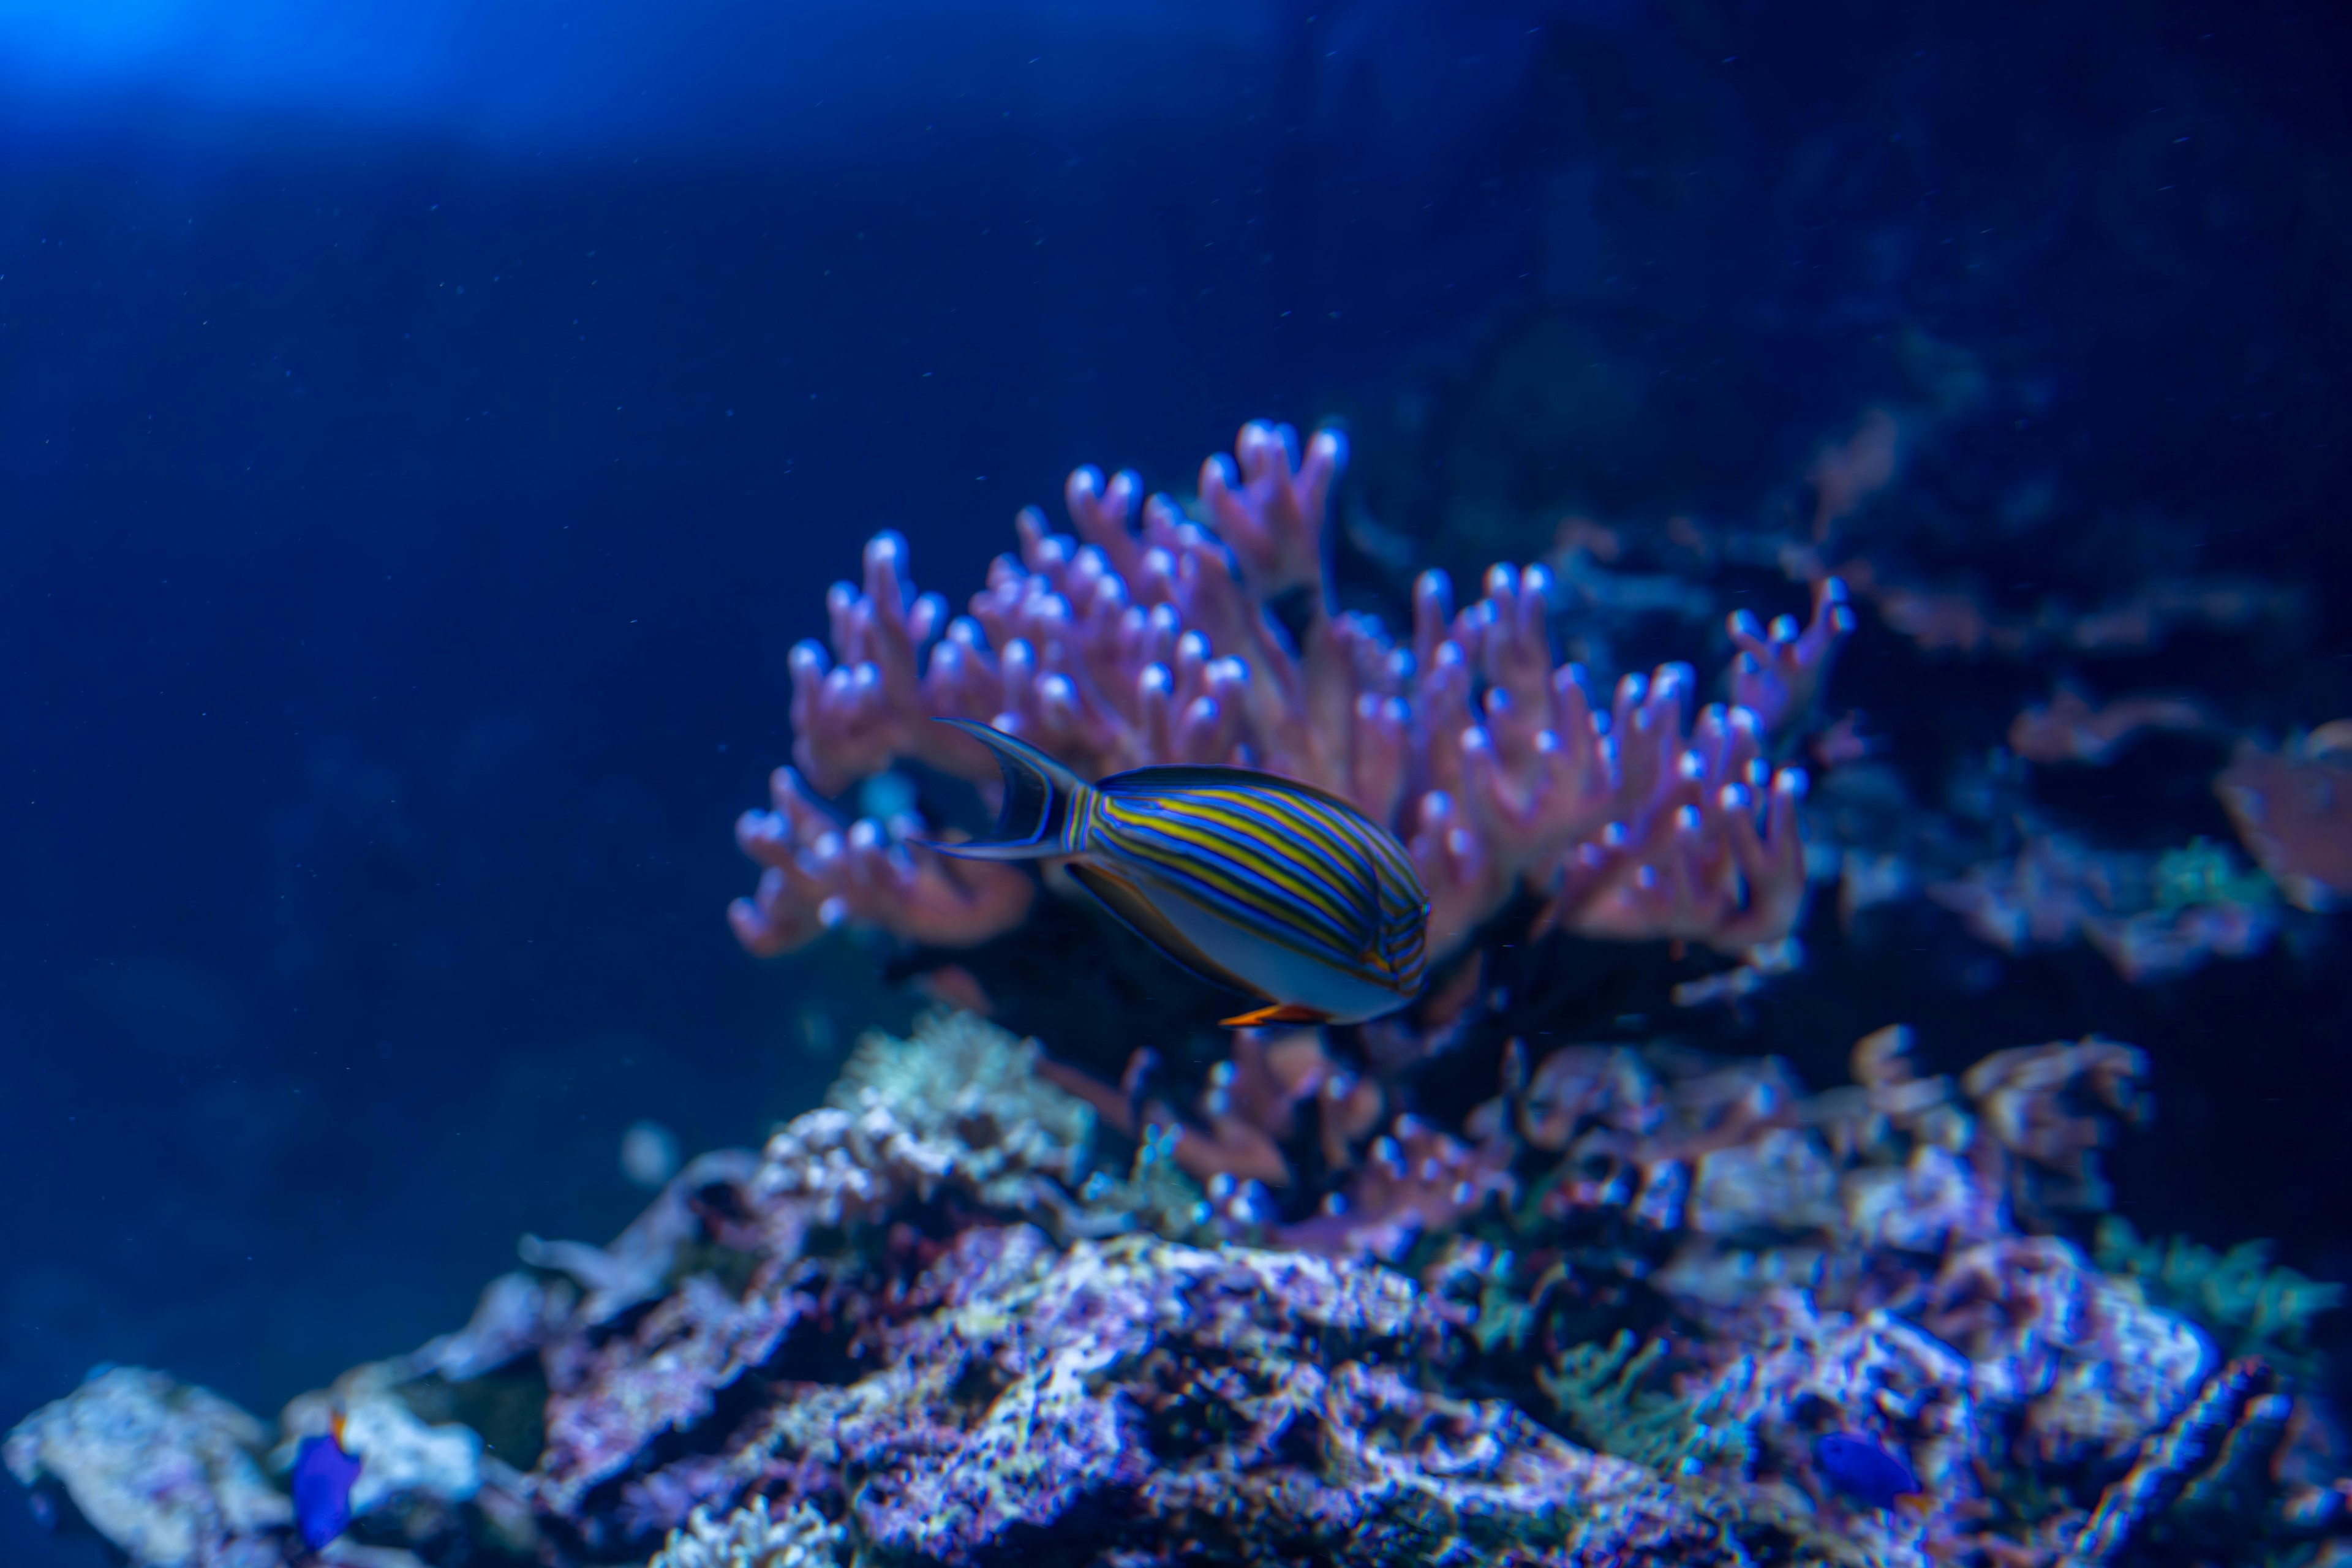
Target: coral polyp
x,y
1148,638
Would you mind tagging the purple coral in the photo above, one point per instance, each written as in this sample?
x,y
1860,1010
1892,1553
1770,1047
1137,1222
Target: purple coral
x,y
1147,638
2292,808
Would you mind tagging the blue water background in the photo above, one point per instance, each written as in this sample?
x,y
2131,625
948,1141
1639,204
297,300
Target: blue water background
x,y
424,429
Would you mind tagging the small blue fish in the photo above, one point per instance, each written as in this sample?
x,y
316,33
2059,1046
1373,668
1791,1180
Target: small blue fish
x,y
1866,1472
1257,883
323,1478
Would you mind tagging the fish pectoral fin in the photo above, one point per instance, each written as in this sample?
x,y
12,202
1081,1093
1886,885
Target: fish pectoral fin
x,y
1279,1013
1135,911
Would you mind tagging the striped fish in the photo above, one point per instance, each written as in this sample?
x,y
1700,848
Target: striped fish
x,y
1260,884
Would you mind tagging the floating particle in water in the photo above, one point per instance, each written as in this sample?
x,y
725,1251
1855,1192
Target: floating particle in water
x,y
648,1153
818,1036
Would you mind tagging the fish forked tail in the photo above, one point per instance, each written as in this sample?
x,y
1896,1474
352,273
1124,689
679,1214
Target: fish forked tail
x,y
1043,802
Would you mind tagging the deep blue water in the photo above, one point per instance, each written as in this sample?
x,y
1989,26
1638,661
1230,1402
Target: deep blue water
x,y
424,432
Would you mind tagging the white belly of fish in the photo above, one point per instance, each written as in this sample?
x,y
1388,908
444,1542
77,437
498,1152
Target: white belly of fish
x,y
1282,974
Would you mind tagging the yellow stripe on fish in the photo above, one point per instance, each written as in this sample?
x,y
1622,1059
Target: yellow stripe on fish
x,y
1254,881
1226,848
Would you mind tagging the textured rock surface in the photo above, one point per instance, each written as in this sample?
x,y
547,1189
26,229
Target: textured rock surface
x,y
935,1325
168,1473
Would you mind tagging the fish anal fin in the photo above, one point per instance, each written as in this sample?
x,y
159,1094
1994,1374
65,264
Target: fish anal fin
x,y
990,849
1135,911
1279,1013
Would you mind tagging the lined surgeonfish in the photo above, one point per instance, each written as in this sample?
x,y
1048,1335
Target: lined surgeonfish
x,y
1254,882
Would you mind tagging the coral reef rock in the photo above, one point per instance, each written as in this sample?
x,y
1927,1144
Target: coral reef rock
x,y
170,1474
956,1317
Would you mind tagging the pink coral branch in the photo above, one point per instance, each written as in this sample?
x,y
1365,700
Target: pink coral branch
x,y
1707,846
2293,809
1416,1180
1145,637
1779,669
2070,728
1271,510
817,876
867,708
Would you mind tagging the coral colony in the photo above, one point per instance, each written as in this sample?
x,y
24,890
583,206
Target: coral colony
x,y
1442,1288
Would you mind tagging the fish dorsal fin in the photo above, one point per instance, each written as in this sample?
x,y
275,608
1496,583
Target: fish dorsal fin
x,y
1043,802
1198,775
1123,898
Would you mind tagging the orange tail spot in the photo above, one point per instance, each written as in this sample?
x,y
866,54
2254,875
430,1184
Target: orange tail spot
x,y
1279,1013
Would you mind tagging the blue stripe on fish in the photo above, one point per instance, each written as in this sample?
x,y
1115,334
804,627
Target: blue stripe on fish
x,y
1294,890
1329,874
1259,883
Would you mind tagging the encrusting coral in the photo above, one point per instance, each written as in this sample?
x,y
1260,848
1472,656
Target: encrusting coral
x,y
932,1323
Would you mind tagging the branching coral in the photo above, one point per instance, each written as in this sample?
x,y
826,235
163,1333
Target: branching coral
x,y
1416,1181
2070,727
960,1103
2293,809
752,1537
2239,1294
2167,1461
818,875
1254,1101
2031,1098
1957,619
1600,1387
2152,916
1148,638
1732,1147
2047,882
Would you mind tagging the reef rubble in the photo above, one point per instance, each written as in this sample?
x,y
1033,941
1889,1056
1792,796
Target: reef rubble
x,y
956,1317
